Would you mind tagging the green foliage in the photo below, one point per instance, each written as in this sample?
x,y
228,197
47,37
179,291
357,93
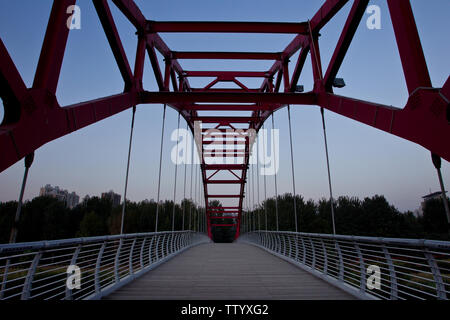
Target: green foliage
x,y
45,218
370,217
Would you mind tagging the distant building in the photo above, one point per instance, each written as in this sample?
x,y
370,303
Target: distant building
x,y
71,200
113,197
431,196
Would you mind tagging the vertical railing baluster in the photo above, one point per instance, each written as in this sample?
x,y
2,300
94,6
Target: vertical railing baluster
x,y
5,278
313,264
158,236
117,261
392,274
141,254
440,287
362,269
150,250
304,251
325,258
341,260
97,268
130,257
30,275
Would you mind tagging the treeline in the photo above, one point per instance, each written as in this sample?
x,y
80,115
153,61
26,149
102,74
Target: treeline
x,y
369,217
45,218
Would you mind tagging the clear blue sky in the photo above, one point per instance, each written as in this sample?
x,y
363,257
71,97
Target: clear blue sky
x,y
364,161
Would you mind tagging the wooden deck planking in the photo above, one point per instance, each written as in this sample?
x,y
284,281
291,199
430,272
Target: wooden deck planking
x,y
228,271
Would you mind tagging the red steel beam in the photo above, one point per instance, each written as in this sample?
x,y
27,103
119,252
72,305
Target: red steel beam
x,y
426,126
227,55
224,181
12,88
132,12
226,74
227,27
224,217
229,107
109,27
353,20
409,45
307,98
53,48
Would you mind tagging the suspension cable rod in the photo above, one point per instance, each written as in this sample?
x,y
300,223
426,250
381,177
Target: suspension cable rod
x,y
160,165
292,166
265,186
190,196
275,175
437,164
175,182
257,182
328,168
253,196
185,170
195,197
128,168
28,162
199,196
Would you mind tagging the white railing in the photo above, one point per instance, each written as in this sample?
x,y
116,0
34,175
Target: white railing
x,y
408,268
39,270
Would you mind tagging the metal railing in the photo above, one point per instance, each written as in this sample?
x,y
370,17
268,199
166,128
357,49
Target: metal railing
x,y
39,270
408,268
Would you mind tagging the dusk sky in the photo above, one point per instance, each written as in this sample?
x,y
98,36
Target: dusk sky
x,y
364,161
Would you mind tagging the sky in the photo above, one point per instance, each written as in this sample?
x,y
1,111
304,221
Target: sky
x,y
364,161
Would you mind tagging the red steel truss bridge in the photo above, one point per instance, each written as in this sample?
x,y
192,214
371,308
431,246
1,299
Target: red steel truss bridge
x,y
34,117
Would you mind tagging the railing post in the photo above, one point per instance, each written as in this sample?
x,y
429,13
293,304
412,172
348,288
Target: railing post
x,y
141,255
289,237
158,236
362,269
130,258
392,274
296,247
165,245
313,265
341,260
5,279
73,262
29,279
97,267
325,257
440,287
150,248
304,251
117,261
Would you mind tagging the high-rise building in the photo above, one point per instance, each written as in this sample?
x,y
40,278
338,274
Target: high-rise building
x,y
113,197
71,200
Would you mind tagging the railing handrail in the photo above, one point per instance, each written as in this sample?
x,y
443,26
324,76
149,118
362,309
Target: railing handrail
x,y
48,244
407,268
400,241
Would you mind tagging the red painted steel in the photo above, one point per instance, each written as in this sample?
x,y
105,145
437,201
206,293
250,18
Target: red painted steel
x,y
33,116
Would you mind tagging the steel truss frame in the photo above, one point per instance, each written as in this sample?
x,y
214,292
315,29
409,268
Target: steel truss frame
x,y
33,116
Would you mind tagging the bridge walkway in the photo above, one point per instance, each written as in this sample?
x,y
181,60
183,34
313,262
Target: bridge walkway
x,y
228,271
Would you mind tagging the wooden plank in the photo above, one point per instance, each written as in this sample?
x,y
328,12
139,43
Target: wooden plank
x,y
221,271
